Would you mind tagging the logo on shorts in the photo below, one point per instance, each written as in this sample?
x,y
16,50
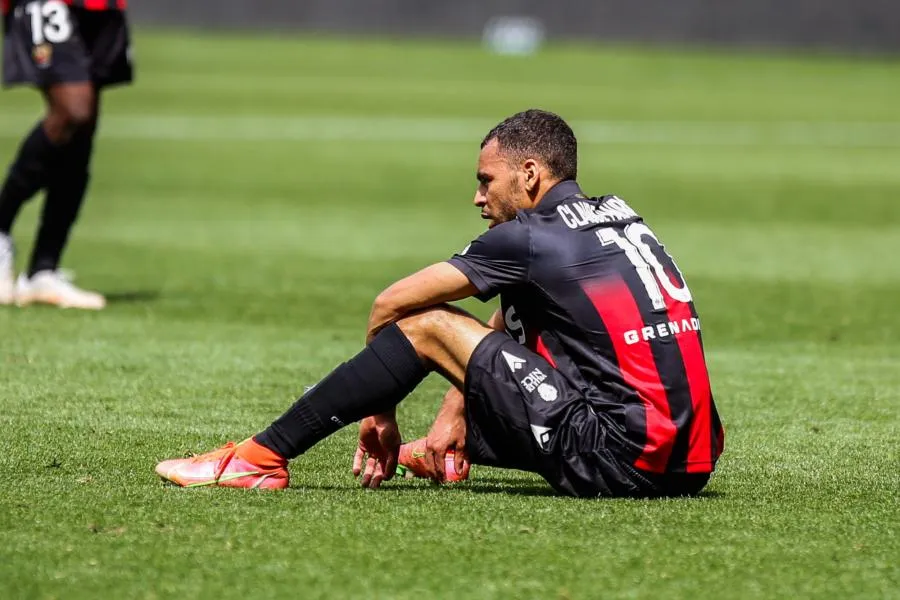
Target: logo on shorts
x,y
515,363
42,55
547,392
541,434
533,380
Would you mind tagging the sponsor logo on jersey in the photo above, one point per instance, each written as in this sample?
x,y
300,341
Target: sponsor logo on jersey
x,y
533,380
661,330
541,434
547,392
515,363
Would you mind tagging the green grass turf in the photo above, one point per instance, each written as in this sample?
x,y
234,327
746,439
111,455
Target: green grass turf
x,y
240,266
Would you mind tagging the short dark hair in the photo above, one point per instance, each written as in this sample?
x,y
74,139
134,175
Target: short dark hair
x,y
538,134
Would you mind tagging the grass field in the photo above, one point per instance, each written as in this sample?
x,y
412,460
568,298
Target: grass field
x,y
250,198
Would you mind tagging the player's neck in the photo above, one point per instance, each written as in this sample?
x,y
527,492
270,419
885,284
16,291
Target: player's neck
x,y
542,189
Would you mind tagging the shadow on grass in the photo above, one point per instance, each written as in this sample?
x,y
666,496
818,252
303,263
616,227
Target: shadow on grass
x,y
134,297
510,486
507,486
513,486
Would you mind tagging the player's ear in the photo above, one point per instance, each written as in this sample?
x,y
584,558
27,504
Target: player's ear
x,y
532,175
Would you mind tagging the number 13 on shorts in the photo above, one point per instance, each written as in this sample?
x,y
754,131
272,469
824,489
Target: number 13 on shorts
x,y
50,21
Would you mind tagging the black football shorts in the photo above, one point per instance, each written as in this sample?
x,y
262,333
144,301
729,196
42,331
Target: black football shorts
x,y
521,413
46,42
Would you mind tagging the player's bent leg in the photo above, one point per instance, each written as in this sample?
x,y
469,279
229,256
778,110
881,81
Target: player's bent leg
x,y
445,338
372,382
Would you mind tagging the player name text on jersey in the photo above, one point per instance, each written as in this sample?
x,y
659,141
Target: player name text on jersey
x,y
579,214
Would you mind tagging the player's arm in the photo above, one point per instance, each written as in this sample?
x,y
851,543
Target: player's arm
x,y
436,284
499,258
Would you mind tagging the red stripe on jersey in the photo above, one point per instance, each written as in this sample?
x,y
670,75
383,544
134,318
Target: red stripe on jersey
x,y
620,313
541,349
96,4
700,452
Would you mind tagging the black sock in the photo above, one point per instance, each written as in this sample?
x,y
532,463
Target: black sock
x,y
65,194
28,173
372,382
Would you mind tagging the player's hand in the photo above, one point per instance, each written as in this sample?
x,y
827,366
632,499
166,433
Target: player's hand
x,y
379,447
447,433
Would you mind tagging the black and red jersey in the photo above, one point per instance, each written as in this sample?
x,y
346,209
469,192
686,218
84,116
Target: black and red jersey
x,y
6,5
587,285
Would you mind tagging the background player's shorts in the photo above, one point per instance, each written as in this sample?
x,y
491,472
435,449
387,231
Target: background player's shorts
x,y
521,413
48,42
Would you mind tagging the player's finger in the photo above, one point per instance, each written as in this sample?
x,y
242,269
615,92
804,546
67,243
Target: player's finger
x,y
463,470
368,472
459,461
429,462
439,458
390,465
377,476
358,459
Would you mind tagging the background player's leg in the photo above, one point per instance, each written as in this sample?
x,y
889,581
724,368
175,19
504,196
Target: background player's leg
x,y
66,188
71,122
69,107
27,175
379,377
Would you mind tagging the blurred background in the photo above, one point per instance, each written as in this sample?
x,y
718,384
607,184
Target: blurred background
x,y
836,24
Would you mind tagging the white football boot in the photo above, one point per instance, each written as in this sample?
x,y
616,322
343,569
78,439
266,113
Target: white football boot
x,y
56,289
7,270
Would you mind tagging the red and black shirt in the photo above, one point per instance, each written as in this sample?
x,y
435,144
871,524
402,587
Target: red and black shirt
x,y
587,285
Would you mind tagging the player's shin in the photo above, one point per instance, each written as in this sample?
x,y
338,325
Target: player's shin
x,y
372,382
28,173
65,195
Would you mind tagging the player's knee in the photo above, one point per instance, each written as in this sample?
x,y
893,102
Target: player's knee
x,y
425,325
79,114
73,115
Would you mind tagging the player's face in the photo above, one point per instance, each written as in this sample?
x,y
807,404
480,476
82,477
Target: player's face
x,y
500,191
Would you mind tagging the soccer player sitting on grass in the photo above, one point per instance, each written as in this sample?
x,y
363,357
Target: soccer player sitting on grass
x,y
591,374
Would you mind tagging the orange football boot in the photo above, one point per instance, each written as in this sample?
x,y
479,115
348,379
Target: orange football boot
x,y
226,467
412,462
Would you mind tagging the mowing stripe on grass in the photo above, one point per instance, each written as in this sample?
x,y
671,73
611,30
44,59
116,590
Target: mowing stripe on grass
x,y
450,130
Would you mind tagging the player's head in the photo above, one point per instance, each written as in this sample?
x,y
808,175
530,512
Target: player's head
x,y
522,158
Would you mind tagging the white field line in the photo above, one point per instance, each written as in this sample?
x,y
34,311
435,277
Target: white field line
x,y
452,130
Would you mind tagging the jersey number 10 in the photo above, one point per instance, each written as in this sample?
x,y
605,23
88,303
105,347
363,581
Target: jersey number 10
x,y
648,267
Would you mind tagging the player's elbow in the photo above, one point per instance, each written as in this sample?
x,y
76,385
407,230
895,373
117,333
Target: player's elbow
x,y
385,304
